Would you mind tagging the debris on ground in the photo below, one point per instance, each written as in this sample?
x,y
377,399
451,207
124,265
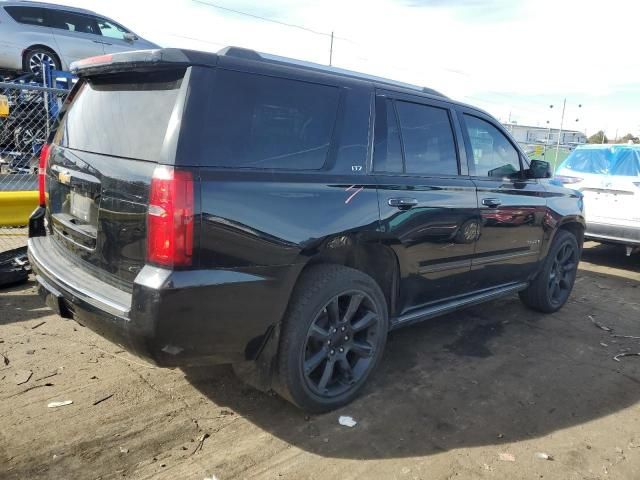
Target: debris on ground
x,y
347,421
38,325
22,376
201,440
59,404
507,457
5,359
124,450
103,398
620,355
602,344
543,456
599,325
626,336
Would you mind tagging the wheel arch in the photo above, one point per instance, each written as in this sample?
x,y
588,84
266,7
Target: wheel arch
x,y
45,47
574,225
371,258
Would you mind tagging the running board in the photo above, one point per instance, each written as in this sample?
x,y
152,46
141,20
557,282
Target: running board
x,y
452,305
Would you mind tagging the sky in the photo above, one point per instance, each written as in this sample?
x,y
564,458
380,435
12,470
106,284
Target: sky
x,y
513,58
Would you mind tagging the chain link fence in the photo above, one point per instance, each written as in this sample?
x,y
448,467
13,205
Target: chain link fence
x,y
27,115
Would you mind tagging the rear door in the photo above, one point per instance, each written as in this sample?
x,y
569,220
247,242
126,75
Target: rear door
x,y
428,205
110,139
77,35
512,207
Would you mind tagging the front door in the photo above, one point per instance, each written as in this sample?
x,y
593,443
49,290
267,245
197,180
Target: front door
x,y
512,207
428,205
77,35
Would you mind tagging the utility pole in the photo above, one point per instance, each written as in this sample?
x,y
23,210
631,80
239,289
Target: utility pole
x,y
331,50
555,162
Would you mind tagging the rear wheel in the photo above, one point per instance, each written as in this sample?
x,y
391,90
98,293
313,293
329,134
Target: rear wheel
x,y
552,287
332,337
35,57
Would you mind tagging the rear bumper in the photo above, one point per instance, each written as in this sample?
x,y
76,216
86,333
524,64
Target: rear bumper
x,y
603,232
171,318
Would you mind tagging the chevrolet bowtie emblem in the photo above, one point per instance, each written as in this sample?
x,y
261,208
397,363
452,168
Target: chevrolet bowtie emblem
x,y
64,177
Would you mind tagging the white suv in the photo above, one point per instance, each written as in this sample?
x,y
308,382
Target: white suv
x,y
34,33
609,178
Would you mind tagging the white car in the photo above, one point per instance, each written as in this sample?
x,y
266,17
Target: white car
x,y
33,33
609,178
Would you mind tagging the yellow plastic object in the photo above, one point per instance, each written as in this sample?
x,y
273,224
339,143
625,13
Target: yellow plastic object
x,y
16,207
4,106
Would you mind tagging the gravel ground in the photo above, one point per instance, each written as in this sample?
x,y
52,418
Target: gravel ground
x,y
476,395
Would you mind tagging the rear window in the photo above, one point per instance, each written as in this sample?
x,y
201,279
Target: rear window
x,y
257,121
28,15
123,115
623,161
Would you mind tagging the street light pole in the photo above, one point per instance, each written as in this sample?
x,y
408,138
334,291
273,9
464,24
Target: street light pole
x,y
555,162
331,50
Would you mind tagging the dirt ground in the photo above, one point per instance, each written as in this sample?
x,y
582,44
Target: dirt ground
x,y
473,395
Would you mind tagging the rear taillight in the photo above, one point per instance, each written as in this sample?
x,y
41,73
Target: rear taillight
x,y
170,218
568,180
42,174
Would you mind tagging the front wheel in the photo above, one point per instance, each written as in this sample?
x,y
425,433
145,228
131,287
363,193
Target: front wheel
x,y
332,337
551,288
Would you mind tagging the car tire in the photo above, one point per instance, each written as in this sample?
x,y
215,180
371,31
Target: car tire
x,y
551,288
332,337
35,56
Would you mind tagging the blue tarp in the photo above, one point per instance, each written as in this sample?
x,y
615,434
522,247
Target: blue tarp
x,y
621,160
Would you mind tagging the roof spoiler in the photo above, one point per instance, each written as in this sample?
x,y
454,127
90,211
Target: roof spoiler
x,y
141,60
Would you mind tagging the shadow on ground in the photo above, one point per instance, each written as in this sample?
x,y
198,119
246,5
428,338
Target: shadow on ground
x,y
491,374
612,256
20,302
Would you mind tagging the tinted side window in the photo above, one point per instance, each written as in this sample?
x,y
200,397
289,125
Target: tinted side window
x,y
74,22
427,137
256,121
387,152
493,153
28,15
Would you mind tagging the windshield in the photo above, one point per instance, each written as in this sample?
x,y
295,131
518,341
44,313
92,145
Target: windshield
x,y
623,161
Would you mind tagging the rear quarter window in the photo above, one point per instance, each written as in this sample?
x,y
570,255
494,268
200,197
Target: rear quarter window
x,y
27,15
263,122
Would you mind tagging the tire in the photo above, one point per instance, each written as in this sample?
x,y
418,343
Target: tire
x,y
551,288
33,58
325,358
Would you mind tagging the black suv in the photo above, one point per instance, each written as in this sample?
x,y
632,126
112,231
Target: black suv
x,y
282,217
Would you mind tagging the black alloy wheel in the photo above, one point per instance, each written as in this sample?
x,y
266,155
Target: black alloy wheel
x,y
332,337
340,344
551,288
562,274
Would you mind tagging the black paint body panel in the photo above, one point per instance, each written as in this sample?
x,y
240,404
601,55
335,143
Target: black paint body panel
x,y
256,230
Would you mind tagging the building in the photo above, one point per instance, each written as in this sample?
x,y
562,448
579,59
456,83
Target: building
x,y
542,135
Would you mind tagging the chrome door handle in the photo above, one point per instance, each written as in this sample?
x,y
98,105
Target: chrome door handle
x,y
403,203
491,202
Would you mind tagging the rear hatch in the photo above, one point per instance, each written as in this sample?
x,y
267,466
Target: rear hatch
x,y
609,178
113,133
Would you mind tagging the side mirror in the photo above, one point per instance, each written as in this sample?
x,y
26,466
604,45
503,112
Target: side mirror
x,y
130,37
539,169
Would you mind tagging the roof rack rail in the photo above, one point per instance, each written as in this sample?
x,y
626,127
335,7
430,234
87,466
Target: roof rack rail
x,y
249,54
